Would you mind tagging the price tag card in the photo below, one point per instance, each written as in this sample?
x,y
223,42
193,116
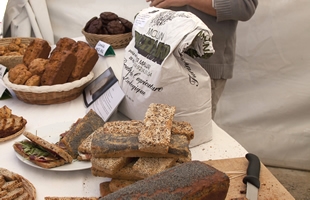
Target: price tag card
x,y
4,92
104,49
104,94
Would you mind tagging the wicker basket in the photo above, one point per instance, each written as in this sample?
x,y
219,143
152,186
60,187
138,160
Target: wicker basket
x,y
116,41
45,95
11,61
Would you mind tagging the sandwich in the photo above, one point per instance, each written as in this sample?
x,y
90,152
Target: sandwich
x,y
11,125
41,152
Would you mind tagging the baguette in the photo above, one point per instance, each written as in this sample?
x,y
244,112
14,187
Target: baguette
x,y
156,132
192,180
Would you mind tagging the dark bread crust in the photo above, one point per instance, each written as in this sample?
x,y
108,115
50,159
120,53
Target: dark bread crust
x,y
191,180
50,146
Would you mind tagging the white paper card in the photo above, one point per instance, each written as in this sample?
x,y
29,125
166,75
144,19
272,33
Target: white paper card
x,y
104,94
2,86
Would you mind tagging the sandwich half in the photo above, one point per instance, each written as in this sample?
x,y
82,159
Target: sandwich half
x,y
41,152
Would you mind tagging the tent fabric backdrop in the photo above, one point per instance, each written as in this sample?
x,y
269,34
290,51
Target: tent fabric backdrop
x,y
27,18
266,106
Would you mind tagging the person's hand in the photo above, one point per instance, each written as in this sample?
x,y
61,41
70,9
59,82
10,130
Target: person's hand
x,y
167,3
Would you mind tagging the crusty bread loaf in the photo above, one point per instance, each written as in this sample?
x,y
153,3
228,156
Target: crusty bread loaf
x,y
38,48
86,60
192,180
155,134
59,68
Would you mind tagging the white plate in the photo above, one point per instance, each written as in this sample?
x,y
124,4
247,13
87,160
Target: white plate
x,y
51,133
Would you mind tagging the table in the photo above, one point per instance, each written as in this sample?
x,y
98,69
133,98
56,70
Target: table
x,y
82,182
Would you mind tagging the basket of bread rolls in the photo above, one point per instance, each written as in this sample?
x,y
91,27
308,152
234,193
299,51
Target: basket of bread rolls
x,y
109,28
50,76
12,50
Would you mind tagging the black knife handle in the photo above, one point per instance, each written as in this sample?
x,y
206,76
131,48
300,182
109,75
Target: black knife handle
x,y
253,170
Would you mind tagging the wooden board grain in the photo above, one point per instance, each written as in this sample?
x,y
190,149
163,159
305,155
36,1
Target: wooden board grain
x,y
235,168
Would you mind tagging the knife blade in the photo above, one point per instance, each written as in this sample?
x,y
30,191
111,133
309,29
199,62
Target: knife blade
x,y
252,177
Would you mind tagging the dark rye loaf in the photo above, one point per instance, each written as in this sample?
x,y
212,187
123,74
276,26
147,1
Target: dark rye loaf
x,y
192,180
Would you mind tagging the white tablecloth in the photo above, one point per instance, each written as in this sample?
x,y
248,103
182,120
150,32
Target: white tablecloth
x,y
82,182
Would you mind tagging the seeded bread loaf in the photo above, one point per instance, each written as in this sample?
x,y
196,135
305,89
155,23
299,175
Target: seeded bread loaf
x,y
192,180
155,134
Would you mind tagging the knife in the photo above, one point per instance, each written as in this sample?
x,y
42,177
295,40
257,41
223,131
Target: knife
x,y
252,177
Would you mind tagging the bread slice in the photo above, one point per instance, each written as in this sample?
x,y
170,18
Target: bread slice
x,y
80,131
155,135
135,126
110,165
125,173
11,125
125,127
24,196
104,189
151,166
5,112
13,194
86,60
3,193
11,185
116,184
124,145
71,198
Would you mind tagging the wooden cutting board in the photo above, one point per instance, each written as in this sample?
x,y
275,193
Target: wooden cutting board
x,y
235,168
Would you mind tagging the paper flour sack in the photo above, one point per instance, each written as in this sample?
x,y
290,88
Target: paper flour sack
x,y
159,67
